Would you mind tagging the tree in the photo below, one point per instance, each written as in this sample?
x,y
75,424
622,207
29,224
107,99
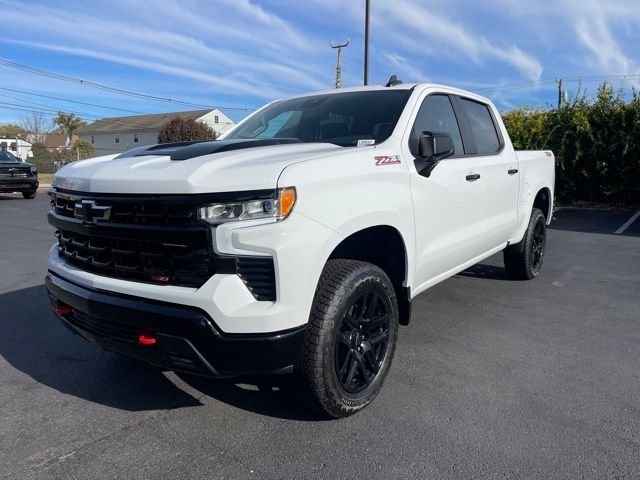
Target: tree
x,y
80,150
36,125
68,123
12,131
183,130
42,158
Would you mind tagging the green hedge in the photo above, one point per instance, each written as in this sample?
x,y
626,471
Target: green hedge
x,y
596,143
42,158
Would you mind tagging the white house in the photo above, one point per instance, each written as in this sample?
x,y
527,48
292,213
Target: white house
x,y
119,134
20,148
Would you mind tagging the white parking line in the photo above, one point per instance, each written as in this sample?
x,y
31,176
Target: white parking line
x,y
628,223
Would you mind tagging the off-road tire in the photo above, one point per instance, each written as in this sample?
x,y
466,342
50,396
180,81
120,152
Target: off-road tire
x,y
344,283
523,260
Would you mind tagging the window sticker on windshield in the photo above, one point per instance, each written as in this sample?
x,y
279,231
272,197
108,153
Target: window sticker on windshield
x,y
387,160
366,143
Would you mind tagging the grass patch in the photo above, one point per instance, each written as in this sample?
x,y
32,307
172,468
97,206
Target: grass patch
x,y
45,178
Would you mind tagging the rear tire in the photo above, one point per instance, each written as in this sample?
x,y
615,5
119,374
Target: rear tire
x,y
350,338
523,261
29,195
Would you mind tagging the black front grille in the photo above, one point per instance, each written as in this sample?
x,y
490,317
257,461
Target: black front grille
x,y
128,212
136,259
149,238
14,172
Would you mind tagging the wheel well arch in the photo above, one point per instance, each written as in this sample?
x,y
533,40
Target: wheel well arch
x,y
383,246
543,202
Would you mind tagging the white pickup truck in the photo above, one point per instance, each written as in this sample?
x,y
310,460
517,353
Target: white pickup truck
x,y
296,243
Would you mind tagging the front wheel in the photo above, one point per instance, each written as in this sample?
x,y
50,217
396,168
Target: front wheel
x,y
523,261
30,195
350,338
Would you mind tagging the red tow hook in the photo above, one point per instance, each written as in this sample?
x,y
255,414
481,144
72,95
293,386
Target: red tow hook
x,y
147,339
63,309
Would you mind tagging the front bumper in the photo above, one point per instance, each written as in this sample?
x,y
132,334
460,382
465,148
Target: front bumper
x,y
187,338
8,185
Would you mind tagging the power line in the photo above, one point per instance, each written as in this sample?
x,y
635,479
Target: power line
x,y
127,125
99,86
72,101
551,81
48,107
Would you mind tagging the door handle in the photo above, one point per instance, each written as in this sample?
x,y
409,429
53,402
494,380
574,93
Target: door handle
x,y
473,177
512,171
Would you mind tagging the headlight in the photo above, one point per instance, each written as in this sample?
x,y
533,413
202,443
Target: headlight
x,y
278,208
34,171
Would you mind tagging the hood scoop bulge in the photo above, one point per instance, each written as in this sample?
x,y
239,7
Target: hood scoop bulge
x,y
187,150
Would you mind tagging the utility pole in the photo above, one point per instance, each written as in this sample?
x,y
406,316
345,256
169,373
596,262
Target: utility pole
x,y
339,47
367,13
560,92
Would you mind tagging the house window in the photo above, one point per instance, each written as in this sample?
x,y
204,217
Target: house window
x,y
93,139
135,138
216,119
117,138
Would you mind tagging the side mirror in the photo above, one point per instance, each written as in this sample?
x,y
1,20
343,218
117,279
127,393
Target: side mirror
x,y
432,147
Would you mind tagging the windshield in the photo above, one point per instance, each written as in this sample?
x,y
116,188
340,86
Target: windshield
x,y
339,118
7,157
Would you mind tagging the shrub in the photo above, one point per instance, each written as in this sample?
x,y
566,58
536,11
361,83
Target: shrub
x,y
80,150
42,158
596,143
183,130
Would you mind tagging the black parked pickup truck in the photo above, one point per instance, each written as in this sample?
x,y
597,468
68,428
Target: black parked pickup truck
x,y
16,176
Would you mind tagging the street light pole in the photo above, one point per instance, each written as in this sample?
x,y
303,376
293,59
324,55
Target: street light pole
x,y
366,41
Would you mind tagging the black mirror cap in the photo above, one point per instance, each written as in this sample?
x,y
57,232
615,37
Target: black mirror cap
x,y
435,146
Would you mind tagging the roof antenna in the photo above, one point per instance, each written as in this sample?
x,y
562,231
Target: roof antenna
x,y
393,81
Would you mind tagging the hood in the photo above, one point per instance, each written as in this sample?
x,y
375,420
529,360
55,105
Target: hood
x,y
253,168
16,164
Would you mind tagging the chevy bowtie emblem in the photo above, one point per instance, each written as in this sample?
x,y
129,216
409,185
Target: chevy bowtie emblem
x,y
88,211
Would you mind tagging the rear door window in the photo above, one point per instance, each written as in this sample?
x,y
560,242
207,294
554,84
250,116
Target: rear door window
x,y
482,126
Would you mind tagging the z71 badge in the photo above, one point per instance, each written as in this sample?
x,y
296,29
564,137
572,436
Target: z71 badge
x,y
387,160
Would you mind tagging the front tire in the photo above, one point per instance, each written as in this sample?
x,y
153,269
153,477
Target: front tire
x,y
30,195
350,338
523,261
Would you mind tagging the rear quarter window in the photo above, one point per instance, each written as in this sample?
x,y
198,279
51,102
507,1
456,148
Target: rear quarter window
x,y
482,126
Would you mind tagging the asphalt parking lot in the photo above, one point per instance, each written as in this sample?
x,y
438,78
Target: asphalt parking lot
x,y
493,379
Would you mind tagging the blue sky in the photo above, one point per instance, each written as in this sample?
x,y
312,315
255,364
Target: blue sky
x,y
242,53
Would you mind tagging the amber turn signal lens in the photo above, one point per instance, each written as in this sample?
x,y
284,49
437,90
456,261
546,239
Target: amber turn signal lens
x,y
286,201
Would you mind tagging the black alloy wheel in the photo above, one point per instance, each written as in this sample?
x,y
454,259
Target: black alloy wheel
x,y
362,341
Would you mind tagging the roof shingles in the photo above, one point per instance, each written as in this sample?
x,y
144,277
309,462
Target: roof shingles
x,y
137,123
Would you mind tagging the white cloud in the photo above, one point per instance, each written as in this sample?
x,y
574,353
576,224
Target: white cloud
x,y
424,31
235,48
412,73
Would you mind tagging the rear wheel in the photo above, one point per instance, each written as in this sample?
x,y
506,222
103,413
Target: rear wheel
x,y
350,338
30,195
523,261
